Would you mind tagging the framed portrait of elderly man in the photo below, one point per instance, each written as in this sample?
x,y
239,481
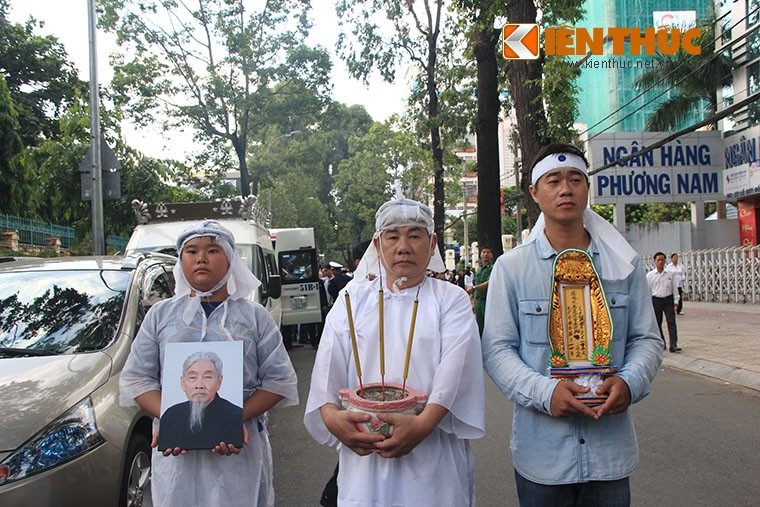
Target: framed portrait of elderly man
x,y
201,395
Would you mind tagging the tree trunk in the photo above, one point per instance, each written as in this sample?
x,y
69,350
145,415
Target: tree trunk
x,y
239,145
439,209
525,87
487,131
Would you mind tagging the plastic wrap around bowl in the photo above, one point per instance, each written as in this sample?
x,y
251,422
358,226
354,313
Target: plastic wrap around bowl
x,y
411,403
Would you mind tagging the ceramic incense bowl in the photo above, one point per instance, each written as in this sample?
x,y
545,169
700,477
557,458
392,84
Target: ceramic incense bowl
x,y
408,402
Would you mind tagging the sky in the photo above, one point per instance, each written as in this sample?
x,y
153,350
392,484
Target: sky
x,y
68,20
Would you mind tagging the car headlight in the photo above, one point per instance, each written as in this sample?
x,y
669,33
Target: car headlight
x,y
72,434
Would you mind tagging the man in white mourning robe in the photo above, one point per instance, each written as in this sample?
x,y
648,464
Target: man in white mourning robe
x,y
427,461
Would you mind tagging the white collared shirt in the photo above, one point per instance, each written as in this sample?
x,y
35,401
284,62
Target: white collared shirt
x,y
678,270
662,284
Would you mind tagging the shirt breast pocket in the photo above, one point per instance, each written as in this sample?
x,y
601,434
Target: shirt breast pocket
x,y
534,317
618,305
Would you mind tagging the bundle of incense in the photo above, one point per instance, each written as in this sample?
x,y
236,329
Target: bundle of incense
x,y
382,339
409,341
353,343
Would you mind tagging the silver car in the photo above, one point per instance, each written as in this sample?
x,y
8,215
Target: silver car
x,y
66,328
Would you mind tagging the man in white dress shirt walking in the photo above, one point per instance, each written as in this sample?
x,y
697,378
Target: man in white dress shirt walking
x,y
677,268
664,289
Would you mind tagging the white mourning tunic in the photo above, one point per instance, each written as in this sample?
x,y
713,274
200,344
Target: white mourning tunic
x,y
446,364
203,478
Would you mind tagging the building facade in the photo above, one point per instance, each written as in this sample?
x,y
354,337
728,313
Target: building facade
x,y
738,29
618,106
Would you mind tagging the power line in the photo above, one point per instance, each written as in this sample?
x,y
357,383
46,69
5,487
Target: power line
x,y
647,90
658,83
712,119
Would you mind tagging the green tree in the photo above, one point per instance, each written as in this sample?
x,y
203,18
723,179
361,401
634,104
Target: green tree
x,y
693,79
480,15
41,80
215,67
655,212
417,29
340,123
52,185
364,181
299,166
10,144
294,203
536,91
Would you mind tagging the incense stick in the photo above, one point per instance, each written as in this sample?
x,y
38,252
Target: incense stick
x,y
353,343
411,338
381,330
381,325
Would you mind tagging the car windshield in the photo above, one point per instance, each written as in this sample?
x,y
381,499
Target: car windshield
x,y
59,312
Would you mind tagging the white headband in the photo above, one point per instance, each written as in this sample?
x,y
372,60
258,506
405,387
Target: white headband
x,y
558,161
241,282
403,213
399,212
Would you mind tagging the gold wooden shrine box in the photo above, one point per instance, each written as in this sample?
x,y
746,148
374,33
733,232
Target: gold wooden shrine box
x,y
580,325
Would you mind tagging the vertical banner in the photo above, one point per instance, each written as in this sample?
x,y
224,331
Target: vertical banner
x,y
747,223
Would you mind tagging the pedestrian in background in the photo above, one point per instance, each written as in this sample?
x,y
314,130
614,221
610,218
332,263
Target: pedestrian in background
x,y
460,279
338,280
480,286
675,267
664,290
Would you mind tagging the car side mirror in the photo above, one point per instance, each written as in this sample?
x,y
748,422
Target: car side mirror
x,y
275,287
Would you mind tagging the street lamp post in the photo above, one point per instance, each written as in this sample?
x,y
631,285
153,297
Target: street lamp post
x,y
289,134
466,232
98,239
518,191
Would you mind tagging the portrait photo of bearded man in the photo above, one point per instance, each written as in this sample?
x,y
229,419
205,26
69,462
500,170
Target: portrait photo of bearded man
x,y
206,418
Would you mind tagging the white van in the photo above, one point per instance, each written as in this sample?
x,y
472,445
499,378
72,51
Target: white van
x,y
297,258
159,226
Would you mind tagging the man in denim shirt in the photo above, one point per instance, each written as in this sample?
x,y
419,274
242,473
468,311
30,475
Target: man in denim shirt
x,y
564,452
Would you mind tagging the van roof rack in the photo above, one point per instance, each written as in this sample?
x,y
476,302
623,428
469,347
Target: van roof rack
x,y
247,209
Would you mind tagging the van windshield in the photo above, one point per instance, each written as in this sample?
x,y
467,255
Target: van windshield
x,y
60,312
297,266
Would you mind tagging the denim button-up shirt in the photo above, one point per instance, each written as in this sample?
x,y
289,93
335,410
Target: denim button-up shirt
x,y
516,351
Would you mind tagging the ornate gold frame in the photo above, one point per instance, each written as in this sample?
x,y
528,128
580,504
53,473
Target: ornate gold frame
x,y
573,266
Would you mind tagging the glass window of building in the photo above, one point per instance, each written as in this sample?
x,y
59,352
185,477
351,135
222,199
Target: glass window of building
x,y
753,78
728,95
753,44
724,21
753,12
753,86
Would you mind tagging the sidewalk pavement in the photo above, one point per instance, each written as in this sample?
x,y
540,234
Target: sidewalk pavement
x,y
719,340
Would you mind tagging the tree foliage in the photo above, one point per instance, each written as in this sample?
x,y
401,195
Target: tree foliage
x,y
49,184
416,34
215,67
297,168
364,181
10,145
41,80
542,116
694,80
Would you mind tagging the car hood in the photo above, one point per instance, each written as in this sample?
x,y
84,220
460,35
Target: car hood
x,y
36,390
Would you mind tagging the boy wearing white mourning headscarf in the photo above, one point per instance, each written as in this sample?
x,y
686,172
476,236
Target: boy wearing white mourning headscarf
x,y
211,304
564,452
427,461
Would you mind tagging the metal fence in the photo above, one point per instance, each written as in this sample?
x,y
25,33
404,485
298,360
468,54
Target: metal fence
x,y
37,233
727,275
